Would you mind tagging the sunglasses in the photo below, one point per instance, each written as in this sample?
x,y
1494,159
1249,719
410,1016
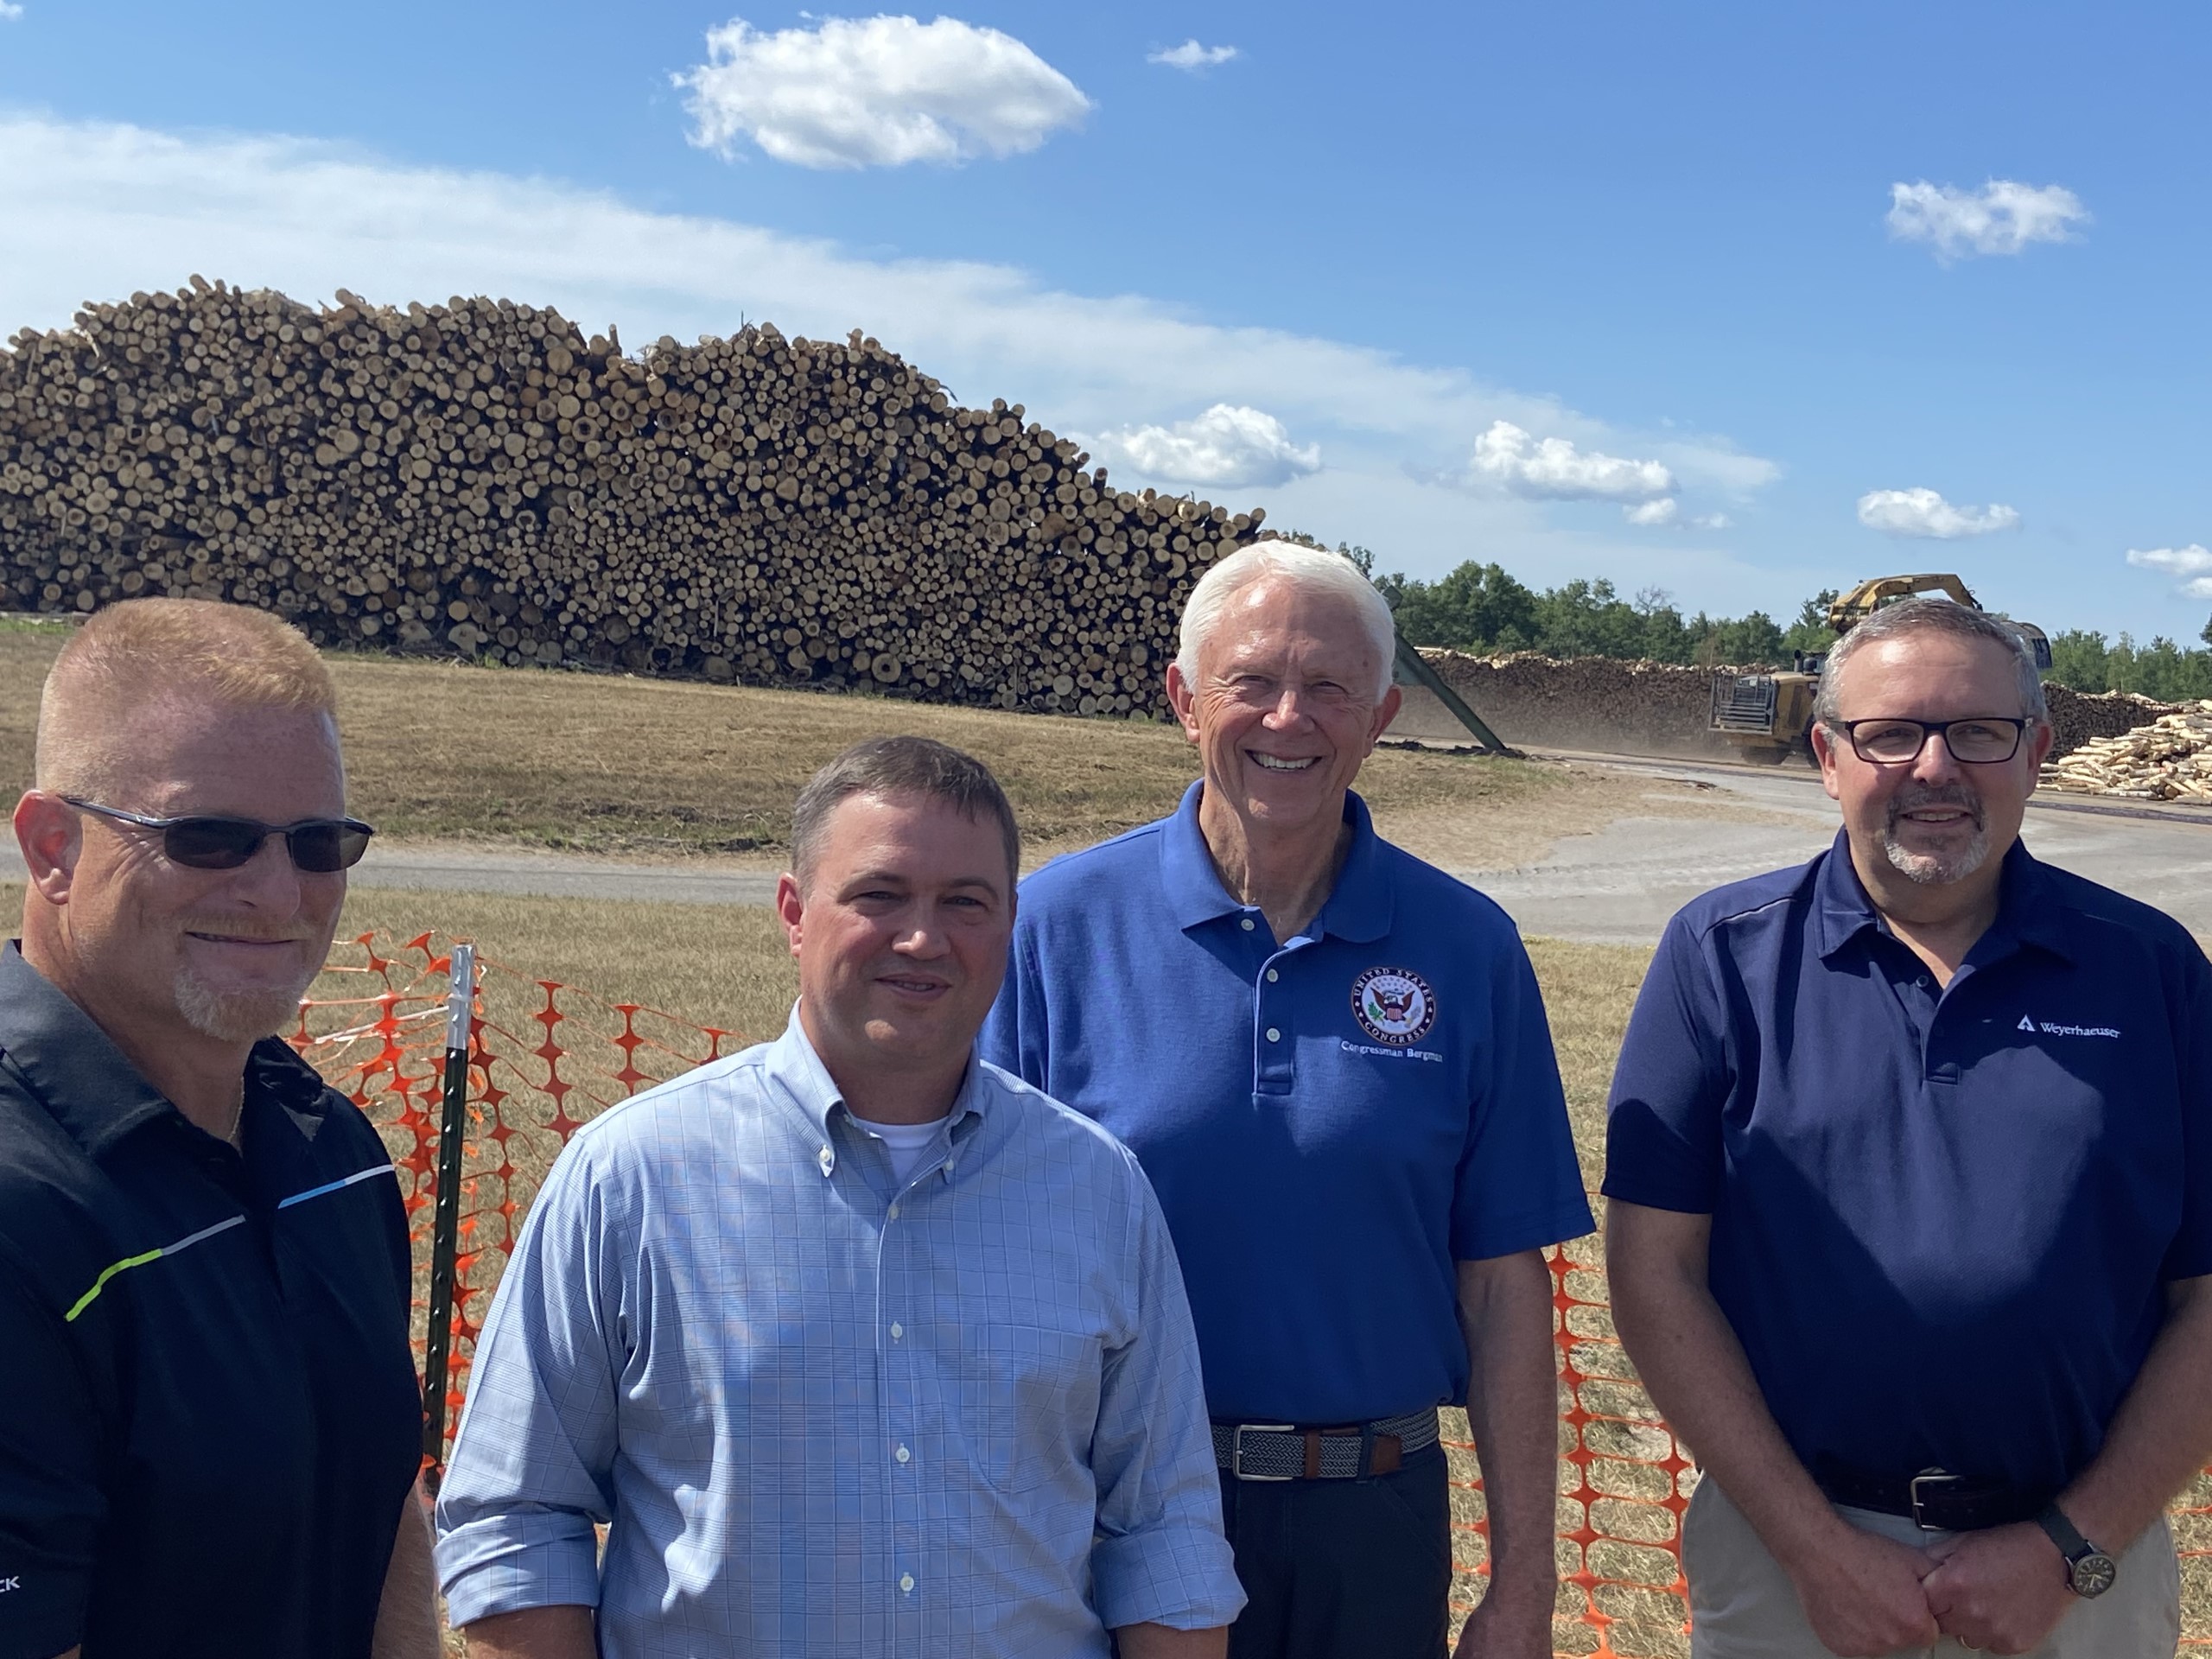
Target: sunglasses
x,y
318,845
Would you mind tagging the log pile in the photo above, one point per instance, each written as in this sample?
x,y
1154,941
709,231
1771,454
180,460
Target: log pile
x,y
1587,702
2169,760
1644,707
481,477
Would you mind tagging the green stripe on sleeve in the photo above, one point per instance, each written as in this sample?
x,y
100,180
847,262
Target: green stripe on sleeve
x,y
128,1261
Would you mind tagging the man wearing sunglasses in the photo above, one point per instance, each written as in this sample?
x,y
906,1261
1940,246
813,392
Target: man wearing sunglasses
x,y
1910,1173
209,1421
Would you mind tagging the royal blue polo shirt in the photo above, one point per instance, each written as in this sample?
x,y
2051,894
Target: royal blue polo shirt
x,y
209,1419
1330,1121
1943,1219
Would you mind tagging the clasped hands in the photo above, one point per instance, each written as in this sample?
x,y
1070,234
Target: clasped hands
x,y
2000,1591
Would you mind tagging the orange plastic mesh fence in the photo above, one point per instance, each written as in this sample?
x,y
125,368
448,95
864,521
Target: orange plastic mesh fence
x,y
544,1057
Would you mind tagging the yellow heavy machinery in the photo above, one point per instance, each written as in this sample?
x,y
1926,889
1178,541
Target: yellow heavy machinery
x,y
1769,717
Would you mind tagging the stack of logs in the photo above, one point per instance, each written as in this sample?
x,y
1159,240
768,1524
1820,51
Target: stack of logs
x,y
2169,760
481,477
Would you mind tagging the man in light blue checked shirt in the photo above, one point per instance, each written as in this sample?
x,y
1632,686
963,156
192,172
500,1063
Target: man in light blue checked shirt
x,y
858,1345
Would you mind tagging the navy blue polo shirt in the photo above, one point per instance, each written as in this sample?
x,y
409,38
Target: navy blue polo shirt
x,y
1943,1221
208,1414
1330,1121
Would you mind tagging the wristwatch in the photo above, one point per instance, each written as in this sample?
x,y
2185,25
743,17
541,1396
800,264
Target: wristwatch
x,y
2090,1571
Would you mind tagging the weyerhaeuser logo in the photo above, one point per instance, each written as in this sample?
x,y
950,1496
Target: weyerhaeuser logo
x,y
2050,1028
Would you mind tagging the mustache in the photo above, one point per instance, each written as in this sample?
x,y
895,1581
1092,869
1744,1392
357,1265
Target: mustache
x,y
1913,796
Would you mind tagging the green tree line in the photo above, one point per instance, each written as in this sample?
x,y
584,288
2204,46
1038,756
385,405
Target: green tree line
x,y
1484,609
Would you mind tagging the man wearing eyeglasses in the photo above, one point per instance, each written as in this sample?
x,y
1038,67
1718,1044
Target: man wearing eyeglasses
x,y
209,1421
1909,1176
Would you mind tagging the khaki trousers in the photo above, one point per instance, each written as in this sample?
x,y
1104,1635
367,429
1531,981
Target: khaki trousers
x,y
1743,1606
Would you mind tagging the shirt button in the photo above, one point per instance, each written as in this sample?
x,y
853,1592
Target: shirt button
x,y
906,1582
894,1212
1246,924
1273,976
897,1330
1274,1036
902,1454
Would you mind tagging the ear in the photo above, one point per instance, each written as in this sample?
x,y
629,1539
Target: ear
x,y
1182,698
2046,737
51,834
1825,751
1385,712
791,908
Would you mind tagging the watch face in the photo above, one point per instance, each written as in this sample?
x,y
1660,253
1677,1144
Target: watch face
x,y
2094,1573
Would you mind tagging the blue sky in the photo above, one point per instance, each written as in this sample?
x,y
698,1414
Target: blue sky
x,y
1658,238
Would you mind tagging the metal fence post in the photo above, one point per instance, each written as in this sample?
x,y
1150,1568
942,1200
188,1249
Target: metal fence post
x,y
445,1235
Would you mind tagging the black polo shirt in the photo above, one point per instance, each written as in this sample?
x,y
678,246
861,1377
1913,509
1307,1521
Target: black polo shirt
x,y
1944,1218
208,1413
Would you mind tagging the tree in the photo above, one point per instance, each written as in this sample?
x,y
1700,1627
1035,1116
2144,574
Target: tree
x,y
2081,660
1810,631
1477,607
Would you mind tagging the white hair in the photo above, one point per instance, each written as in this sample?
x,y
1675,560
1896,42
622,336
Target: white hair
x,y
1314,568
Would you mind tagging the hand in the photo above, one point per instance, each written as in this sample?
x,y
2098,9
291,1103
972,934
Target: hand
x,y
2002,1590
1494,1630
1862,1595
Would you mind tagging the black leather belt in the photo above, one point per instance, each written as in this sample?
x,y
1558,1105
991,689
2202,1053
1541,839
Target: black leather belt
x,y
1934,1500
1346,1452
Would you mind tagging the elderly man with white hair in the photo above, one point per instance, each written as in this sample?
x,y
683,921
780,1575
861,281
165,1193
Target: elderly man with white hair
x,y
1332,1061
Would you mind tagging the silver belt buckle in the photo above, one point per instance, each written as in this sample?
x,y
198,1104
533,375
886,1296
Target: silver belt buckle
x,y
1236,1448
1913,1491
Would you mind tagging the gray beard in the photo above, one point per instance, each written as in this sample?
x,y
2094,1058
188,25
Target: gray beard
x,y
1935,869
234,1016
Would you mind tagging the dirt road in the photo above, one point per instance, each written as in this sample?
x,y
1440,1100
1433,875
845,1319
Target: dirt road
x,y
1619,885
1623,883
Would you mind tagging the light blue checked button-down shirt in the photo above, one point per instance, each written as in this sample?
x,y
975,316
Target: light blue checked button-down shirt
x,y
828,1412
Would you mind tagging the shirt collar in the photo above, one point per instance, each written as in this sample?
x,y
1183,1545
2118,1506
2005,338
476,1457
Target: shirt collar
x,y
1842,910
793,1063
1359,906
91,1090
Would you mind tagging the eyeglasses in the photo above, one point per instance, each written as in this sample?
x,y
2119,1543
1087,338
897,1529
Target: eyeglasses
x,y
1983,740
318,845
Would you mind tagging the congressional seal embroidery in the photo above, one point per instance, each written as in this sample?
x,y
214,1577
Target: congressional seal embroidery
x,y
1393,1005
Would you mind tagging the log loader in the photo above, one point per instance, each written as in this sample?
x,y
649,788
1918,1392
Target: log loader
x,y
1769,717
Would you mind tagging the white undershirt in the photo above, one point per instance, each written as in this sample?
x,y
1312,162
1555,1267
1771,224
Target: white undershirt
x,y
903,1141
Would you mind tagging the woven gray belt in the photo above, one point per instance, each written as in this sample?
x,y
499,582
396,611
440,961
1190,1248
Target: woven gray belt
x,y
1286,1452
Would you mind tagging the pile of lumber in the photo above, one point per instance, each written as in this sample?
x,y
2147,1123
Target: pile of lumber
x,y
2169,760
481,477
1645,708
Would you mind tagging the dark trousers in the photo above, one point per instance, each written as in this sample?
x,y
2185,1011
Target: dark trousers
x,y
1342,1569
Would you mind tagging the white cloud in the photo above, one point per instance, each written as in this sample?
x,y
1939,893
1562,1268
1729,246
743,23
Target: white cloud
x,y
2004,216
1555,470
1191,56
93,211
1925,514
1228,445
1666,512
9,11
2193,563
875,91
